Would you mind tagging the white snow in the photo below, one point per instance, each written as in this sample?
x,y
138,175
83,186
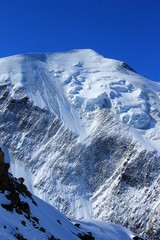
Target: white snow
x,y
54,223
106,231
74,85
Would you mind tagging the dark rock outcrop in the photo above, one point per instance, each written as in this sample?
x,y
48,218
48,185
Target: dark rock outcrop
x,y
4,180
13,189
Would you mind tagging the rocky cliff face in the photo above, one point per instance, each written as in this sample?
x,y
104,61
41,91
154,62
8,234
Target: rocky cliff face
x,y
84,132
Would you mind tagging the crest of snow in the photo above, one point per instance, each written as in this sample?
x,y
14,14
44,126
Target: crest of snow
x,y
75,85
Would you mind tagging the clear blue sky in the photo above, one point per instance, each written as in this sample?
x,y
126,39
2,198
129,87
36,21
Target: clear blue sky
x,y
128,30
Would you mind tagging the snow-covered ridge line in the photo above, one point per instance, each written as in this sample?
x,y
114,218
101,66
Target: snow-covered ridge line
x,y
75,84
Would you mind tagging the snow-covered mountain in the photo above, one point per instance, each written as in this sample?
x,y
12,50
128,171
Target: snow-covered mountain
x,y
84,132
23,216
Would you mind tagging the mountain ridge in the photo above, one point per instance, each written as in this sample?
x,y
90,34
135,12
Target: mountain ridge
x,y
83,126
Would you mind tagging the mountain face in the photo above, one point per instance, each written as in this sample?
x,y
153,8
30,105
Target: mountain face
x,y
23,216
84,132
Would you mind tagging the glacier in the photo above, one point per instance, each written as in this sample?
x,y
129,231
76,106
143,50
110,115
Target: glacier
x,y
84,132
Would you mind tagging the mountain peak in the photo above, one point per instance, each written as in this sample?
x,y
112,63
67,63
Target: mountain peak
x,y
77,125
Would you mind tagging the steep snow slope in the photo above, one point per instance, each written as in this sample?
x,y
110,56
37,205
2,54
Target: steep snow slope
x,y
84,131
47,223
24,216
